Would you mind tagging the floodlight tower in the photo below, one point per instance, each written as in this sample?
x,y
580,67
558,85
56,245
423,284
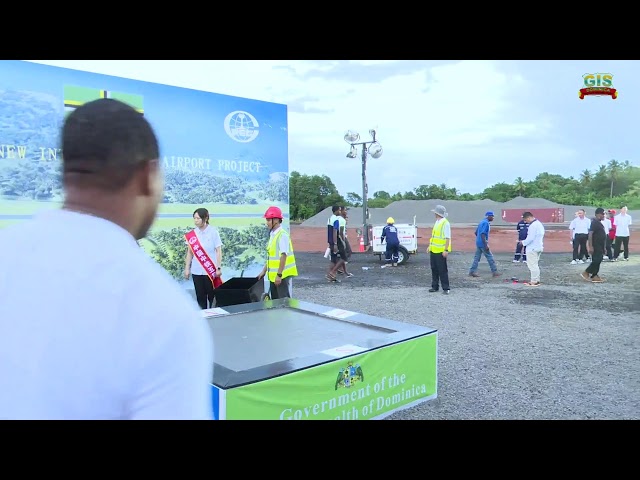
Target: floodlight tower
x,y
373,148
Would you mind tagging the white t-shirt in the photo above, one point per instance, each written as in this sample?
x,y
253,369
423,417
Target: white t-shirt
x,y
606,223
580,225
92,328
622,225
210,240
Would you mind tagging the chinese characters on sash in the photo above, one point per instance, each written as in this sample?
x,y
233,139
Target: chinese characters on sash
x,y
203,258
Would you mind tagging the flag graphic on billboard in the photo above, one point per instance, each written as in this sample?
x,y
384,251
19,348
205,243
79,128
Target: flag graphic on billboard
x,y
75,96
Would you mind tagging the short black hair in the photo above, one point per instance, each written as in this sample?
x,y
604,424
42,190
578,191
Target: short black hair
x,y
527,215
104,141
599,210
335,209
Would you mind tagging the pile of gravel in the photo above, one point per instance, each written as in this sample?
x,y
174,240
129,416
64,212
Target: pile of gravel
x,y
460,213
507,351
320,219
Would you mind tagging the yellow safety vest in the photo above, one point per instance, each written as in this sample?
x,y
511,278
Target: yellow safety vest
x,y
438,240
273,259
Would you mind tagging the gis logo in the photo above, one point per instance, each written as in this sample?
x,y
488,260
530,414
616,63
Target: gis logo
x,y
599,85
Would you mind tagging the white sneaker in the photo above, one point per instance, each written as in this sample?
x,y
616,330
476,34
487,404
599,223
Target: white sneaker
x,y
580,261
605,258
515,261
574,262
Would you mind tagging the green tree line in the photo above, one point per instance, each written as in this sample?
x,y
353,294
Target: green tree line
x,y
242,248
612,184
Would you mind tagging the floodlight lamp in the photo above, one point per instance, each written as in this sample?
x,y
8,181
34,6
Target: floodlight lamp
x,y
351,137
353,153
375,150
372,132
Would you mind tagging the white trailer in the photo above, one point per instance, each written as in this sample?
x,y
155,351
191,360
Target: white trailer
x,y
408,236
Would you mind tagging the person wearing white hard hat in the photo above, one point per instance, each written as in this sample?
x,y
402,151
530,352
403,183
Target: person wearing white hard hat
x,y
439,249
390,234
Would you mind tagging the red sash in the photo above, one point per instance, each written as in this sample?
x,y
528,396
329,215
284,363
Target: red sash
x,y
203,258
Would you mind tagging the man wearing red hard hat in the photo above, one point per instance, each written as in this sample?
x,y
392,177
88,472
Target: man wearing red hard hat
x,y
281,261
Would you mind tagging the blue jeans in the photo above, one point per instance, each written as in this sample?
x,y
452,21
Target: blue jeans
x,y
476,259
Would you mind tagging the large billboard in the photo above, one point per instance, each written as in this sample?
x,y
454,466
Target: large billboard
x,y
224,153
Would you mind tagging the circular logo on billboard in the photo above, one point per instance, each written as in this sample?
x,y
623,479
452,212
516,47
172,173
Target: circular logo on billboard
x,y
241,126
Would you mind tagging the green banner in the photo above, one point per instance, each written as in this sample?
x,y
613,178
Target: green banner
x,y
355,388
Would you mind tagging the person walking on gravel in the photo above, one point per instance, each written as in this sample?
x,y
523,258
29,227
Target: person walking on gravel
x,y
596,243
534,243
482,247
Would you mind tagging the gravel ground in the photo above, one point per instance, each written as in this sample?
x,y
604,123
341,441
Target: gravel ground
x,y
565,350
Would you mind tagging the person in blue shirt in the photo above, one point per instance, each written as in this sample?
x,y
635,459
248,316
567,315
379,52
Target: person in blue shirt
x,y
390,234
521,252
482,247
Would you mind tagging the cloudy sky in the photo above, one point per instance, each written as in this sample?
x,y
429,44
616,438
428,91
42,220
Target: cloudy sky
x,y
468,124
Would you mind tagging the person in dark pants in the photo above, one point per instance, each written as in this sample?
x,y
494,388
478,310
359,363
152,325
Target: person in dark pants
x,y
608,226
623,222
390,235
580,228
596,243
209,245
612,234
521,252
281,261
439,248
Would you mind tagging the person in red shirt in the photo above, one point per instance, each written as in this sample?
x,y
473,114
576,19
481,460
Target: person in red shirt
x,y
612,235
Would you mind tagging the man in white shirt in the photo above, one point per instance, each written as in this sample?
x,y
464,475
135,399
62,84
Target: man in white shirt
x,y
623,232
104,332
579,227
332,219
535,246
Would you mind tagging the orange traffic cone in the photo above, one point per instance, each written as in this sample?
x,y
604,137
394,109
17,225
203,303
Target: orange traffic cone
x,y
361,244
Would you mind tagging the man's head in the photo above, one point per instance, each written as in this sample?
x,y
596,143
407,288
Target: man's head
x,y
489,216
273,217
623,210
440,211
335,210
599,213
343,211
110,163
581,213
528,217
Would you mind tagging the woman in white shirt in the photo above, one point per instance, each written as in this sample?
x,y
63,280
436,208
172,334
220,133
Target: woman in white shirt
x,y
210,242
